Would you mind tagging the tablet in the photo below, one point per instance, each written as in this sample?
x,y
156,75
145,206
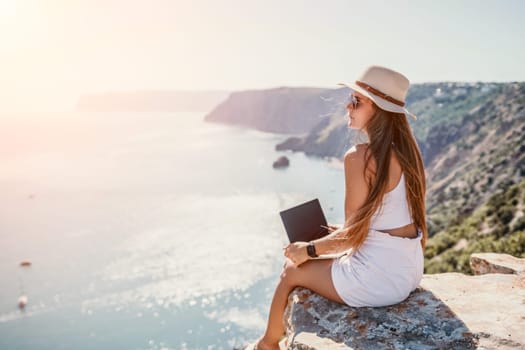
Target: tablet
x,y
304,222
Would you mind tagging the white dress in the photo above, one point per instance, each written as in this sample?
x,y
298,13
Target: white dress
x,y
386,268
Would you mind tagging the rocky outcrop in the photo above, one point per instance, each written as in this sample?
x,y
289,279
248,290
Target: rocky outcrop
x,y
282,162
482,263
447,311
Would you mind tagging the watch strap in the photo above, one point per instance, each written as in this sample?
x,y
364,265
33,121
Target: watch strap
x,y
310,249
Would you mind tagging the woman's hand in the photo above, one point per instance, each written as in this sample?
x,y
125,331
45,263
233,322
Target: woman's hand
x,y
296,252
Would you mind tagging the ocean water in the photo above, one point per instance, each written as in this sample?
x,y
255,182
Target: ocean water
x,y
145,230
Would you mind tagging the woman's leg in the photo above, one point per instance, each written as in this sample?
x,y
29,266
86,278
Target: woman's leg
x,y
313,274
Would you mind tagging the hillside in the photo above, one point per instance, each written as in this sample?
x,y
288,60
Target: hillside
x,y
476,188
498,225
437,105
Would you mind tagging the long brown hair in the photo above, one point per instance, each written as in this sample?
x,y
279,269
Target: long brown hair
x,y
388,131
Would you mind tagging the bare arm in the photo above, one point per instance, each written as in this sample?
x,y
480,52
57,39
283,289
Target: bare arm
x,y
356,191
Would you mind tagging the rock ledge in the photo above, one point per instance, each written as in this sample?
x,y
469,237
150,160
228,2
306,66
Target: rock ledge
x,y
447,311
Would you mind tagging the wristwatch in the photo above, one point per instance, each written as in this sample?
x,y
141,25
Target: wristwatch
x,y
310,249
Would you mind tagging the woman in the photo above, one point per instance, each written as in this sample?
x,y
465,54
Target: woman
x,y
384,230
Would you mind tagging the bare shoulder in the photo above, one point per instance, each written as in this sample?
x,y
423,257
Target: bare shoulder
x,y
356,189
354,159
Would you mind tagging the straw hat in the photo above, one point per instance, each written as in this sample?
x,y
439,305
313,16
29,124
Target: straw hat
x,y
386,87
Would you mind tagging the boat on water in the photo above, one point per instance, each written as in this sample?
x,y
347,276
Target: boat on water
x,y
22,301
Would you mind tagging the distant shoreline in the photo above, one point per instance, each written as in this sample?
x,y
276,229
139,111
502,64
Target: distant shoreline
x,y
151,101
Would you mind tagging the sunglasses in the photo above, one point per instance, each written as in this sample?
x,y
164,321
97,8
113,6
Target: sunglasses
x,y
352,100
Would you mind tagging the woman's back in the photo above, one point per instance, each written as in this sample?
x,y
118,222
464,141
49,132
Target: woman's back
x,y
394,211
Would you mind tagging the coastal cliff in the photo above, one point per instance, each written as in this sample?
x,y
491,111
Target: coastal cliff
x,y
283,110
447,311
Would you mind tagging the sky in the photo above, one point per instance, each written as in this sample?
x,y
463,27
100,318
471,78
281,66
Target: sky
x,y
53,51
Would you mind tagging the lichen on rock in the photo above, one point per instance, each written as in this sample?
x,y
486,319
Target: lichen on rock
x,y
447,311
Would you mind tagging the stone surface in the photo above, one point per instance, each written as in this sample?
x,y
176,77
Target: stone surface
x,y
448,311
492,306
482,263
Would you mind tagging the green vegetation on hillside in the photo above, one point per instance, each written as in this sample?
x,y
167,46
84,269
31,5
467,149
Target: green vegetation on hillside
x,y
498,226
476,180
441,103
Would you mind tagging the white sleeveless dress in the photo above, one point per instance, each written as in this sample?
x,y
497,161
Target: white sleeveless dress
x,y
386,268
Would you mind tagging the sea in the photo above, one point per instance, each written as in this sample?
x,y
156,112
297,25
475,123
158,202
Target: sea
x,y
145,230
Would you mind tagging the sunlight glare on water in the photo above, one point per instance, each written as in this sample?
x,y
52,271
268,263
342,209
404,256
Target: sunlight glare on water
x,y
162,224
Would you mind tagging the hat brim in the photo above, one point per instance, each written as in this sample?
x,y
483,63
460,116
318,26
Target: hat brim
x,y
379,101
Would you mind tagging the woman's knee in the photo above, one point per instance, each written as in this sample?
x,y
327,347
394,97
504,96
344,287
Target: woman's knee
x,y
289,273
